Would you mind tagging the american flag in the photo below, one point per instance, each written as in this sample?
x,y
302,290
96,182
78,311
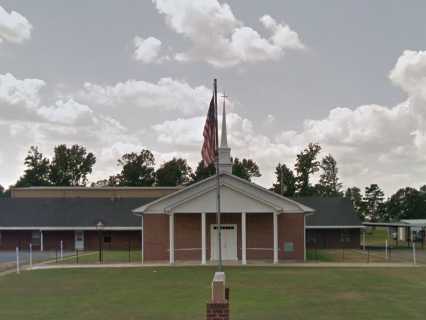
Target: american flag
x,y
208,152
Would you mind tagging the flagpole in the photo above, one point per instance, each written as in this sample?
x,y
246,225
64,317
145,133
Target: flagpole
x,y
219,234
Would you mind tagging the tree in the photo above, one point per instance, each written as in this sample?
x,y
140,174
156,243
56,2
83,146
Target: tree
x,y
306,164
285,181
406,203
246,168
175,172
37,170
354,194
202,172
70,166
329,185
136,170
373,200
2,193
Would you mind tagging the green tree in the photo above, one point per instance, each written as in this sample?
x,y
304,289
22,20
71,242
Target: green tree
x,y
285,181
406,203
373,200
137,169
329,185
175,172
37,170
202,172
306,165
71,165
246,168
354,194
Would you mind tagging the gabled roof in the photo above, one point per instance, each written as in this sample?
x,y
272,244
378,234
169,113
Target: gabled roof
x,y
330,212
243,196
69,212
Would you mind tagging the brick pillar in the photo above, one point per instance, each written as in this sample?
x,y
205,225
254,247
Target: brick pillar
x,y
218,307
217,311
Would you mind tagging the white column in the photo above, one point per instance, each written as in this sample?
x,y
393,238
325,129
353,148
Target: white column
x,y
203,238
243,238
142,244
172,238
275,215
41,241
304,237
17,260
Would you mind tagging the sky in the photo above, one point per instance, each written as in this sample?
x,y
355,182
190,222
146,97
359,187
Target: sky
x,y
119,76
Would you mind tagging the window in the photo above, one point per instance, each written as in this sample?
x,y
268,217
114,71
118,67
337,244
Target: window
x,y
35,238
107,238
0,238
345,235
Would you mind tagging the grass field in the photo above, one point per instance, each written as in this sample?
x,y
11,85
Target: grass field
x,y
109,256
181,293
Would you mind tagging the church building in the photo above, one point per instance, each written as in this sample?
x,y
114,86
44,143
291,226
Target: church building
x,y
179,223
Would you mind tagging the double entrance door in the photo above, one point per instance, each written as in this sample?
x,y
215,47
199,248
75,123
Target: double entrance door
x,y
228,240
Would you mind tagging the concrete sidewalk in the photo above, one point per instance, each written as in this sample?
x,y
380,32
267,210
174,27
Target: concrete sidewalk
x,y
280,265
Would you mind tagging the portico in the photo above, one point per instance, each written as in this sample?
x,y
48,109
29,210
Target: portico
x,y
256,223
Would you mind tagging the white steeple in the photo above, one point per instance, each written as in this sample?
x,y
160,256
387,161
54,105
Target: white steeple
x,y
225,164
224,138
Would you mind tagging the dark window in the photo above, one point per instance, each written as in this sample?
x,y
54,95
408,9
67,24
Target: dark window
x,y
0,238
345,235
107,238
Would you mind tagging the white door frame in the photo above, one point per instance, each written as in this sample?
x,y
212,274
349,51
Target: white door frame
x,y
215,240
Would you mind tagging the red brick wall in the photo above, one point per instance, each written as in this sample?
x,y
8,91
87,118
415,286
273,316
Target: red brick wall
x,y
120,240
52,240
331,238
260,236
12,239
291,229
156,237
187,237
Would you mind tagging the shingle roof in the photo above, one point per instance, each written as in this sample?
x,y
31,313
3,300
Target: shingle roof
x,y
69,212
87,212
330,212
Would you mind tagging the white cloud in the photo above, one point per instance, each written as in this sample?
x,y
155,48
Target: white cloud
x,y
282,36
148,50
166,94
67,112
14,27
410,73
181,132
372,143
17,92
219,38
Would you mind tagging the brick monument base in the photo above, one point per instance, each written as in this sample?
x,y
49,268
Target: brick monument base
x,y
218,307
218,311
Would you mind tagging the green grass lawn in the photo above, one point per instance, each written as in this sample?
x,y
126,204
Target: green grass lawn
x,y
377,236
182,292
109,256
